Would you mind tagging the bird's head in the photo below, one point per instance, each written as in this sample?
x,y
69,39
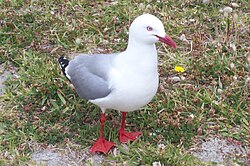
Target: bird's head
x,y
149,29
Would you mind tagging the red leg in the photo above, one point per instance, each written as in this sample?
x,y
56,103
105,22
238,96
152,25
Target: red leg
x,y
101,144
127,136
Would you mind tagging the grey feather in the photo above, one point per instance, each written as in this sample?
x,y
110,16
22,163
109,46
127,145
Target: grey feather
x,y
89,75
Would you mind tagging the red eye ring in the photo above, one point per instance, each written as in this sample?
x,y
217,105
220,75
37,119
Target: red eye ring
x,y
149,28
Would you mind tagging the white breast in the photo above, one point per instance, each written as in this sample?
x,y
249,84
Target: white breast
x,y
130,92
135,91
133,86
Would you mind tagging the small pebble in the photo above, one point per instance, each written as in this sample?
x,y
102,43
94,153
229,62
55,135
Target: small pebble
x,y
219,91
235,5
205,1
175,79
228,10
156,163
232,66
247,83
78,41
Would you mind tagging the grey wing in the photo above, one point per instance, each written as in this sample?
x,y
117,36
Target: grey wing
x,y
88,74
88,85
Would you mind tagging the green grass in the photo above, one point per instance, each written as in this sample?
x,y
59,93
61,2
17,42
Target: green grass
x,y
39,105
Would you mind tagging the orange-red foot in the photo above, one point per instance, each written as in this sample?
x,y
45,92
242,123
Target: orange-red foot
x,y
102,145
128,136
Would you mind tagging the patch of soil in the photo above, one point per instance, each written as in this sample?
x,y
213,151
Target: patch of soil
x,y
72,155
219,150
3,77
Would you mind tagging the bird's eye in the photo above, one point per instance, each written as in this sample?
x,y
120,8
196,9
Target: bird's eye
x,y
149,28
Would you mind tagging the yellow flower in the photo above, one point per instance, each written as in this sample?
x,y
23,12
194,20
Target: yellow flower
x,y
179,69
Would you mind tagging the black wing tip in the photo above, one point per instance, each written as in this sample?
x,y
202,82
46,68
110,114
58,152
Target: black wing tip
x,y
64,62
60,59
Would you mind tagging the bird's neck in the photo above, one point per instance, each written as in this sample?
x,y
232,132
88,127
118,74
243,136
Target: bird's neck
x,y
138,47
138,55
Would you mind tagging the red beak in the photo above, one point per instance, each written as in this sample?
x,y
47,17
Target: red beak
x,y
168,40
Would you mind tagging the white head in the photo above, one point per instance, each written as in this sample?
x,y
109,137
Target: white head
x,y
148,29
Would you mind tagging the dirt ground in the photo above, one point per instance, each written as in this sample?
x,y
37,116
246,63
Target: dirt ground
x,y
71,155
217,149
3,77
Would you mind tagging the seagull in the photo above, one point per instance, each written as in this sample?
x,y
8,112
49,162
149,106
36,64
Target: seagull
x,y
124,81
